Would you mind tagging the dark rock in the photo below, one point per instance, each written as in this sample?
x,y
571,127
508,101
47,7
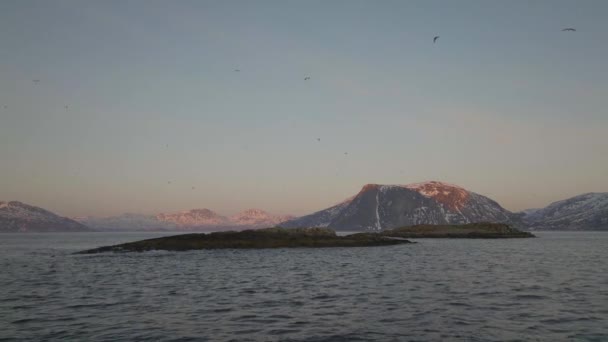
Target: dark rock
x,y
261,238
469,231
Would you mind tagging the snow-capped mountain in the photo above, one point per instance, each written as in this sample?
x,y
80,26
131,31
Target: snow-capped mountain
x,y
126,222
257,218
20,217
584,212
378,207
195,219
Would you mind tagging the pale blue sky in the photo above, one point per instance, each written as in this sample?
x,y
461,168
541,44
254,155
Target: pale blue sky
x,y
505,104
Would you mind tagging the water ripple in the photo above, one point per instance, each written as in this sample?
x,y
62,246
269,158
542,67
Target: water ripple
x,y
550,288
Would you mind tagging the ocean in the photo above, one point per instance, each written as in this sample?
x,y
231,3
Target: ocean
x,y
550,288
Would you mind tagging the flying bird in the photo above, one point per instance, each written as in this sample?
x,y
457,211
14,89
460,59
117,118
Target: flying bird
x,y
435,39
345,153
193,188
306,78
5,106
569,29
66,107
169,182
35,81
318,139
237,70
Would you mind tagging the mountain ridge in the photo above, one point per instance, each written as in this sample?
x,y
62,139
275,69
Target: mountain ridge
x,y
193,219
16,216
378,207
588,211
375,207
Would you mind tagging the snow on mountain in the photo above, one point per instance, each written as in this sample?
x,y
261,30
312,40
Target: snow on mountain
x,y
194,218
584,212
20,217
126,221
452,196
257,218
250,218
378,207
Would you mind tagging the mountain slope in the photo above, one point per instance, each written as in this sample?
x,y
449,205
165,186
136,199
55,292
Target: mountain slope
x,y
379,207
584,212
20,217
321,218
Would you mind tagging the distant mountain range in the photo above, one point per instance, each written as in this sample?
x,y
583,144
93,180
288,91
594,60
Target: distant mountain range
x,y
126,222
20,217
195,219
379,207
375,207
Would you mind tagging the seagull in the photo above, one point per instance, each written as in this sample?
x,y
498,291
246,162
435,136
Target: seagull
x,y
345,153
237,70
435,39
306,78
66,107
569,29
318,139
35,81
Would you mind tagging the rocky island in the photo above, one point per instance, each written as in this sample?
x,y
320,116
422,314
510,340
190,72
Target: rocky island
x,y
261,238
468,231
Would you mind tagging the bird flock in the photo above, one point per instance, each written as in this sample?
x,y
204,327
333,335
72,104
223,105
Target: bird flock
x,y
306,78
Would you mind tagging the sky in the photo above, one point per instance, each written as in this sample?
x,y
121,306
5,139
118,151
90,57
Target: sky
x,y
504,104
